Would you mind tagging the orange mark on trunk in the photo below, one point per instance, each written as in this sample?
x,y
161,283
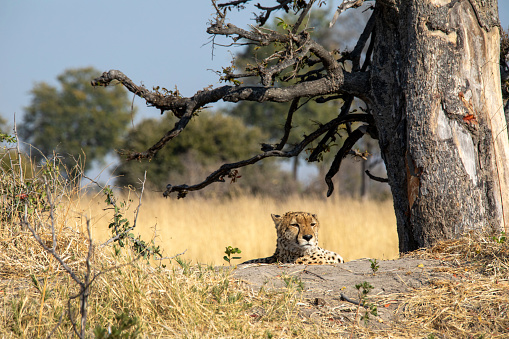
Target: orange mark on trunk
x,y
413,181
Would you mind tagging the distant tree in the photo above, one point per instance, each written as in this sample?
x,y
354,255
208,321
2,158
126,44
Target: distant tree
x,y
3,124
213,138
76,118
4,133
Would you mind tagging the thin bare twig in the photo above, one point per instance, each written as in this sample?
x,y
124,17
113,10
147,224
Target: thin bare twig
x,y
176,255
288,124
346,4
302,16
322,145
372,177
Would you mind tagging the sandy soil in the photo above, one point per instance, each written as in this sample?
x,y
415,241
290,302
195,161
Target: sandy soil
x,y
329,292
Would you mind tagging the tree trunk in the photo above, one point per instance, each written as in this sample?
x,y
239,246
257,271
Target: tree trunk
x,y
439,112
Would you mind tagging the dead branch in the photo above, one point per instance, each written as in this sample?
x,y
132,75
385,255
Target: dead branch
x,y
345,298
322,145
225,170
361,43
347,146
346,4
265,38
184,108
288,124
262,19
372,177
302,16
233,3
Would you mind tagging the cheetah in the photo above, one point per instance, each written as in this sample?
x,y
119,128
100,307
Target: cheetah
x,y
297,242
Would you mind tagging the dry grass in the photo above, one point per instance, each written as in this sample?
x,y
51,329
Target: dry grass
x,y
195,301
205,227
470,299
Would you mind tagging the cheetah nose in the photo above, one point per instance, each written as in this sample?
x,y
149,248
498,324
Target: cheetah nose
x,y
307,237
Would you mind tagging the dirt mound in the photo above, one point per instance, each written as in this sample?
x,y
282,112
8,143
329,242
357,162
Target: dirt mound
x,y
330,289
457,289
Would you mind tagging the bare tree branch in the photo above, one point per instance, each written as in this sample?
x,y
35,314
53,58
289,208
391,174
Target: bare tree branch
x,y
359,46
302,16
233,3
332,132
226,169
347,146
184,108
288,124
346,4
330,80
264,38
372,177
299,47
262,19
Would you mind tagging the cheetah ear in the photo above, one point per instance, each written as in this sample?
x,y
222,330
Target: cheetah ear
x,y
314,216
277,219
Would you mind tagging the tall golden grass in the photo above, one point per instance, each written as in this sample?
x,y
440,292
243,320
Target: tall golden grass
x,y
203,228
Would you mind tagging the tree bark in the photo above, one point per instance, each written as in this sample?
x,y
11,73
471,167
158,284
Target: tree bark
x,y
437,104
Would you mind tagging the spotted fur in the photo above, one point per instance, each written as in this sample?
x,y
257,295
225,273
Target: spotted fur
x,y
297,242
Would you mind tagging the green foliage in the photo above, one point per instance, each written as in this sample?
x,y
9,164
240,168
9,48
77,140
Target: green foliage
x,y
7,138
184,264
229,251
76,118
121,229
374,266
24,186
291,281
4,137
501,239
125,327
281,23
363,290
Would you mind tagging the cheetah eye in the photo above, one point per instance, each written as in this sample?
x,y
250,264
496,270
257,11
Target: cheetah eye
x,y
295,225
313,224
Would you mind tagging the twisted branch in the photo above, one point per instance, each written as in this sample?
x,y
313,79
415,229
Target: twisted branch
x,y
226,169
185,107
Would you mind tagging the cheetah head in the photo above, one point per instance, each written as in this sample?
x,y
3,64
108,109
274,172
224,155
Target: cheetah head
x,y
297,231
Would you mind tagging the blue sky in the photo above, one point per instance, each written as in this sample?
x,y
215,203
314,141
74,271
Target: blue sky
x,y
157,42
